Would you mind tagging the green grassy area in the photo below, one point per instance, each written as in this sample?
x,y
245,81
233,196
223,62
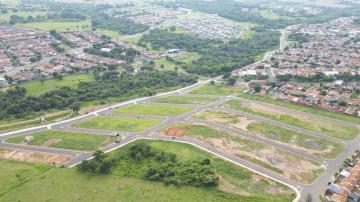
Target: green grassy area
x,y
186,58
45,183
313,124
269,15
16,174
5,17
118,124
153,110
185,100
213,90
325,148
220,117
36,88
66,140
109,33
58,26
23,123
320,112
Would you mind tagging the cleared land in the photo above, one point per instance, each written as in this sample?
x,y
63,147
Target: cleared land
x,y
281,162
317,146
124,183
185,100
118,124
66,140
300,120
36,88
213,90
184,59
153,110
32,157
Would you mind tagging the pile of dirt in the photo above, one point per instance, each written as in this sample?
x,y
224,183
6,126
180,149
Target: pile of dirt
x,y
176,132
34,157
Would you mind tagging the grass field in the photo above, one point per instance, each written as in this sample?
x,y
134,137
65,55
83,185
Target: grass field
x,y
186,58
320,112
6,16
35,88
109,33
118,124
44,183
58,26
317,146
213,90
66,140
185,100
303,121
289,165
153,110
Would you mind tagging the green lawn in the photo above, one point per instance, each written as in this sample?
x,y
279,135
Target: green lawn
x,y
35,88
270,100
66,140
45,183
109,33
118,124
185,100
153,110
311,123
58,26
213,90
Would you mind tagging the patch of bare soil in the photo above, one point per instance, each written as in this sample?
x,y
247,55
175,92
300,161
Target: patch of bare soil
x,y
176,132
51,141
243,123
293,167
34,157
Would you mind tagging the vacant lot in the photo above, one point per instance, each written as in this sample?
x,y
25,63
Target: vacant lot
x,y
55,184
185,100
281,162
36,88
33,157
66,140
153,110
118,124
300,120
213,90
317,146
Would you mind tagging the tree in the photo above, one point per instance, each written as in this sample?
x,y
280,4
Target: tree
x,y
42,79
75,107
99,155
257,88
231,80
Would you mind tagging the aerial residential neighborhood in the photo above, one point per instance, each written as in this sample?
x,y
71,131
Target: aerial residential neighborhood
x,y
180,100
